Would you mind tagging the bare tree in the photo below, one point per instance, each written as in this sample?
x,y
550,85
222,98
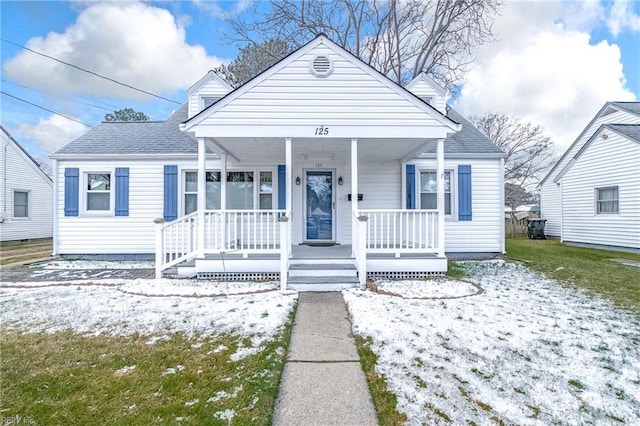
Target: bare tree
x,y
400,38
529,152
252,60
126,114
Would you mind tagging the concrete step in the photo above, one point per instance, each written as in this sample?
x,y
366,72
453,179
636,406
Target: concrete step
x,y
322,270
328,261
332,283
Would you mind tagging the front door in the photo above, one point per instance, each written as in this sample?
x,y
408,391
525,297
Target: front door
x,y
319,212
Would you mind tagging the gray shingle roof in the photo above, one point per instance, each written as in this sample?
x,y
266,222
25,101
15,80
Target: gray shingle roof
x,y
633,107
142,137
469,140
630,130
165,137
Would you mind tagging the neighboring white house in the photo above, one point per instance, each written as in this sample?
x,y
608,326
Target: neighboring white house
x,y
25,194
592,195
301,154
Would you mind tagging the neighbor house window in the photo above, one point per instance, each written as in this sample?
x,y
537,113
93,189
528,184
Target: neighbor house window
x,y
212,187
429,191
240,190
20,204
607,200
98,191
266,190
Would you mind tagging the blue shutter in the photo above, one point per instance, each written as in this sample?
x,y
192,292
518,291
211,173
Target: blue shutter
x,y
170,193
71,191
464,192
282,187
122,191
411,186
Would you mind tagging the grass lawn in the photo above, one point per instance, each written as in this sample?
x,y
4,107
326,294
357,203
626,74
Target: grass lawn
x,y
588,268
21,251
94,354
66,378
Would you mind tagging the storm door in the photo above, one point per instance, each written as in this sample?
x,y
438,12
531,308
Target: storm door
x,y
319,212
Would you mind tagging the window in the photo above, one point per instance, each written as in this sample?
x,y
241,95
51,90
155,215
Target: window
x,y
607,200
428,191
207,101
212,186
190,192
20,204
266,190
240,190
98,191
427,99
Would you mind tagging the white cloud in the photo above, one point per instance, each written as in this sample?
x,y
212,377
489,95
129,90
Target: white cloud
x,y
130,42
544,72
51,133
623,16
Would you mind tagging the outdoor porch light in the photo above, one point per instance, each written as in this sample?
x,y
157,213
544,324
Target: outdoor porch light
x,y
298,181
340,181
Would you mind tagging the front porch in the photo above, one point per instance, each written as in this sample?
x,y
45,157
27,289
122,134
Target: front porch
x,y
256,244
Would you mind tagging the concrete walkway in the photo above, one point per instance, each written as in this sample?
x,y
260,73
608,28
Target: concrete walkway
x,y
322,382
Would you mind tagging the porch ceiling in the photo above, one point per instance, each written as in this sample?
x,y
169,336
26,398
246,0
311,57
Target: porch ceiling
x,y
273,149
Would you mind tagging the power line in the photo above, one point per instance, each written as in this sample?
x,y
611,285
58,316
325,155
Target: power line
x,y
60,97
46,109
90,72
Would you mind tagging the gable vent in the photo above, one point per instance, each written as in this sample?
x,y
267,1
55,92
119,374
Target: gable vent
x,y
321,66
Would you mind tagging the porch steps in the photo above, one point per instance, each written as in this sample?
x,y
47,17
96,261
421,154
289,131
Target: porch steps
x,y
322,274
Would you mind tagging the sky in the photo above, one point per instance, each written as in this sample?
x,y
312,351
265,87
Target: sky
x,y
553,63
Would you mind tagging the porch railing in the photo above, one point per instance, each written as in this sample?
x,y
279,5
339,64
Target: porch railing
x,y
243,231
401,231
238,231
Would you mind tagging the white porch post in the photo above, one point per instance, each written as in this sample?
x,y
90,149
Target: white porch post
x,y
202,179
223,201
289,188
440,173
354,195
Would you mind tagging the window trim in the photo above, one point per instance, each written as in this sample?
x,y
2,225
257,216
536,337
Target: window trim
x,y
202,102
13,205
597,201
84,193
256,185
453,213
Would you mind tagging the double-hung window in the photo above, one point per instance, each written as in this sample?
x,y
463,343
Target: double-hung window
x,y
266,190
98,192
240,190
429,191
20,204
607,200
212,186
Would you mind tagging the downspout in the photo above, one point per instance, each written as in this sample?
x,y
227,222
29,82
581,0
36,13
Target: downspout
x,y
54,216
3,216
501,206
561,212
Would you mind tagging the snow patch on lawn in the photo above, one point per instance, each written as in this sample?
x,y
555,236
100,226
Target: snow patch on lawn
x,y
526,351
102,309
436,288
96,264
125,370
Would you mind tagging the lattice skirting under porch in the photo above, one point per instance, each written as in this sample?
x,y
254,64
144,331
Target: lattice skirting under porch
x,y
404,275
239,276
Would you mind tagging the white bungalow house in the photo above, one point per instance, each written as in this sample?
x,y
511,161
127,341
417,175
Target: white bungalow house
x,y
319,166
25,194
592,194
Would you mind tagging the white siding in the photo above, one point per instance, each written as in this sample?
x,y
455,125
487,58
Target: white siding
x,y
212,88
614,161
550,202
422,89
23,175
293,96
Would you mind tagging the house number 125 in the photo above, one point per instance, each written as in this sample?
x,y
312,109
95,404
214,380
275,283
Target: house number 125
x,y
322,131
